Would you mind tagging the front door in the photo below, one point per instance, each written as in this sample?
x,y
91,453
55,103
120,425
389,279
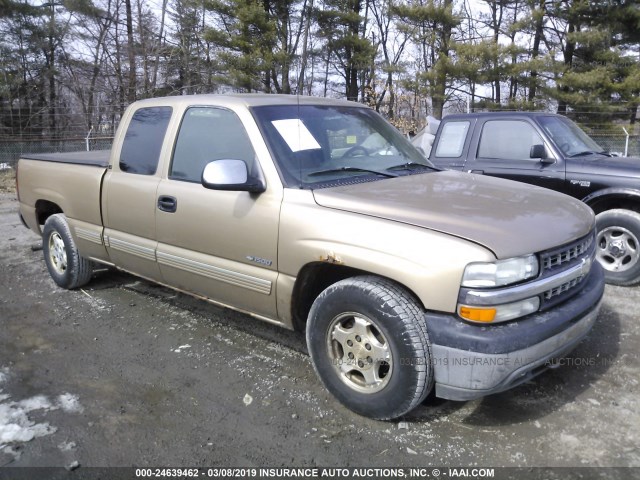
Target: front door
x,y
218,244
503,150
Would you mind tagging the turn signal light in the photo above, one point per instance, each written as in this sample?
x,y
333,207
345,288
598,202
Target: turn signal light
x,y
478,314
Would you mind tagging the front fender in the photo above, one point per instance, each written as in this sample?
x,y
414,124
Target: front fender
x,y
428,263
597,198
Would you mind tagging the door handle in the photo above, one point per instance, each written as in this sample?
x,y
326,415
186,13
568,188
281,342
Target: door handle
x,y
478,172
167,204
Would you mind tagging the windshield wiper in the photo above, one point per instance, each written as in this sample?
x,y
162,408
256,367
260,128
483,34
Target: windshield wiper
x,y
351,169
586,152
411,165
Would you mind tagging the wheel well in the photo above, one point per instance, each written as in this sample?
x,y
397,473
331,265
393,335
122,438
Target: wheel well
x,y
603,204
44,209
312,280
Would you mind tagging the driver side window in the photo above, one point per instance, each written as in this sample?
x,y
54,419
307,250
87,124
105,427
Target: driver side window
x,y
207,134
508,140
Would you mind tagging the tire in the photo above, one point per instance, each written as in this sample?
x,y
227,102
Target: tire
x,y
67,268
369,345
618,246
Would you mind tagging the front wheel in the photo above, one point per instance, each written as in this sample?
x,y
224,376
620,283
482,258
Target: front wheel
x,y
369,345
66,266
618,246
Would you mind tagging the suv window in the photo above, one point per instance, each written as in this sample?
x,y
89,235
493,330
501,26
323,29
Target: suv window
x,y
207,134
508,140
142,143
452,139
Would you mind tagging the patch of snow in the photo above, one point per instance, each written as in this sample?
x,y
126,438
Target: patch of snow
x,y
4,375
14,452
15,424
70,403
39,402
67,446
571,440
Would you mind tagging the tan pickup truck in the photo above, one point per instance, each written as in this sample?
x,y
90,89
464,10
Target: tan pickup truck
x,y
317,215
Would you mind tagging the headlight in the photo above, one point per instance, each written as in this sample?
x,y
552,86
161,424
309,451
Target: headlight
x,y
501,272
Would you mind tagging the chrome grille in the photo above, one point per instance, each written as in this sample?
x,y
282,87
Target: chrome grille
x,y
565,287
562,258
567,254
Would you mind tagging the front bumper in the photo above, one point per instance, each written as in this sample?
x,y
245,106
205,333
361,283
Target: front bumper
x,y
472,361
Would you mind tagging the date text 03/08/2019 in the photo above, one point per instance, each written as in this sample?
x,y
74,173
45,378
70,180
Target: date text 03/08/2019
x,y
315,472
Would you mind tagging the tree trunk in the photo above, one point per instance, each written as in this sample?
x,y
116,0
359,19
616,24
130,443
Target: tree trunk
x,y
306,17
537,38
51,71
131,93
568,62
145,54
163,14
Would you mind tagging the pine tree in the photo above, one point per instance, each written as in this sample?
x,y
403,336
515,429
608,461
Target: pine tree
x,y
597,81
341,25
435,23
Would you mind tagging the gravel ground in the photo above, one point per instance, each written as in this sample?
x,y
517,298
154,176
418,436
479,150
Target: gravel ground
x,y
126,373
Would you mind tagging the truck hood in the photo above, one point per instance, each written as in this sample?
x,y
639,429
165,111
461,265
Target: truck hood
x,y
506,217
628,167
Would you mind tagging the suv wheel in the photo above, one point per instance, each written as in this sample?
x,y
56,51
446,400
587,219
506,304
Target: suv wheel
x,y
618,246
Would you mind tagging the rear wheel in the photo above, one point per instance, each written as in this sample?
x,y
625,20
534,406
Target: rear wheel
x,y
67,268
618,246
369,345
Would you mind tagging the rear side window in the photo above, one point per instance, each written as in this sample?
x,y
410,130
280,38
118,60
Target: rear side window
x,y
508,140
142,143
208,134
452,139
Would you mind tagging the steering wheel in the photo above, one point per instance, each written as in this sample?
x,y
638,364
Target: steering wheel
x,y
565,147
353,151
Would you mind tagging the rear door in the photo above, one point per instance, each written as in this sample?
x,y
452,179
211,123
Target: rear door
x,y
452,143
501,147
130,187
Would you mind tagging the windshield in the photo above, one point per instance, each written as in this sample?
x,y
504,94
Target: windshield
x,y
568,136
319,146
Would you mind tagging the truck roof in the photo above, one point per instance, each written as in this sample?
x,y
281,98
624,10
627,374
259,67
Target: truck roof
x,y
500,114
246,100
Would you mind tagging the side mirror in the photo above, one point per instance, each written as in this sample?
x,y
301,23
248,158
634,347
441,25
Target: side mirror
x,y
231,175
539,151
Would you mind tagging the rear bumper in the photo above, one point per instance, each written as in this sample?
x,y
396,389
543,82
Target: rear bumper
x,y
472,361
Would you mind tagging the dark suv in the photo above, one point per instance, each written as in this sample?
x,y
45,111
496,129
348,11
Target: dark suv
x,y
553,152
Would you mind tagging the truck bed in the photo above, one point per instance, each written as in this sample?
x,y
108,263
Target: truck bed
x,y
96,158
71,181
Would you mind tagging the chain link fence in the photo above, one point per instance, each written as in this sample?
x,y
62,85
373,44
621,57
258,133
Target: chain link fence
x,y
618,143
12,150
